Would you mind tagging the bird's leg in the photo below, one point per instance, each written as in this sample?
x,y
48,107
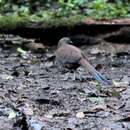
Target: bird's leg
x,y
77,75
65,74
58,73
74,76
58,77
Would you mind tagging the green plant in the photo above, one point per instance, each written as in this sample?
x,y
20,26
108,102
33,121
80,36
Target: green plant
x,y
11,22
100,9
69,7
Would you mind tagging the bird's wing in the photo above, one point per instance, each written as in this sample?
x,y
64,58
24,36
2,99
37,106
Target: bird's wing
x,y
68,54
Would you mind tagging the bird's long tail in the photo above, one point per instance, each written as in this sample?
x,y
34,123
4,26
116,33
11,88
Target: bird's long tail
x,y
98,76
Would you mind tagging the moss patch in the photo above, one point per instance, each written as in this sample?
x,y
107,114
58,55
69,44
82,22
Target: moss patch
x,y
46,21
11,22
63,21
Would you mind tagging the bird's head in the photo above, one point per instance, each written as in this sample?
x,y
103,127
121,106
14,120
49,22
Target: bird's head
x,y
64,41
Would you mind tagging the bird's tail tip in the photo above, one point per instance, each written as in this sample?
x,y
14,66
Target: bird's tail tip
x,y
101,79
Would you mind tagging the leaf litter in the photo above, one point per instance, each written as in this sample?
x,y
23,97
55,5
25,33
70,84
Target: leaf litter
x,y
30,85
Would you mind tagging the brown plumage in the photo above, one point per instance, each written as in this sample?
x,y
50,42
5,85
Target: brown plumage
x,y
67,54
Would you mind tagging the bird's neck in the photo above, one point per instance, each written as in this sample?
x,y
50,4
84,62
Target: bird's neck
x,y
62,44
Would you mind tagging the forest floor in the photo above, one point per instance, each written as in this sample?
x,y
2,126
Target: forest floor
x,y
32,84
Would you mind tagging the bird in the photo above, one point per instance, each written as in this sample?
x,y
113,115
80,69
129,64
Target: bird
x,y
68,54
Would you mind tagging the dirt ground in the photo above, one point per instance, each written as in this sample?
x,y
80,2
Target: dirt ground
x,y
31,82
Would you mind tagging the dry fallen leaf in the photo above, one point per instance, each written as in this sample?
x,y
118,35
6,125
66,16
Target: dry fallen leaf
x,y
12,115
27,110
102,107
80,115
6,77
36,47
121,84
48,116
